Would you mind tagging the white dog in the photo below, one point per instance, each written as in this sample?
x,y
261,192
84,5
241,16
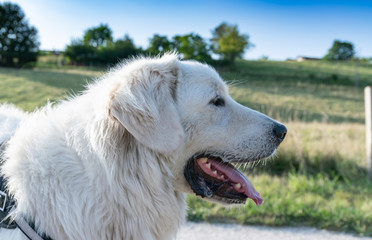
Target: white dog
x,y
116,161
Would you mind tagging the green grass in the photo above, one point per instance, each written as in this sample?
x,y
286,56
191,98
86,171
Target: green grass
x,y
318,178
294,200
29,88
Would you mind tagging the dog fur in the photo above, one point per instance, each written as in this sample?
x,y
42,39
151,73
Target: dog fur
x,y
108,164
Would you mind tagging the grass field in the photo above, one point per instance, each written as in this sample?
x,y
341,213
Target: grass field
x,y
29,89
304,91
318,178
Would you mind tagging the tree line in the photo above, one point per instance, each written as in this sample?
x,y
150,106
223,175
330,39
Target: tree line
x,y
19,44
97,46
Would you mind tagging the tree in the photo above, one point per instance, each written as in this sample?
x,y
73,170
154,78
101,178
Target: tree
x,y
98,36
159,44
79,53
228,43
116,51
340,51
125,47
192,46
18,41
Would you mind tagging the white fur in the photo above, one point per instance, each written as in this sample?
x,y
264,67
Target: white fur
x,y
10,118
108,164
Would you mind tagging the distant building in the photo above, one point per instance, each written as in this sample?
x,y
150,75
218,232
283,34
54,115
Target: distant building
x,y
302,58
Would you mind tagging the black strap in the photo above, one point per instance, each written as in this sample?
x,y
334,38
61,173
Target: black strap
x,y
43,236
6,201
28,229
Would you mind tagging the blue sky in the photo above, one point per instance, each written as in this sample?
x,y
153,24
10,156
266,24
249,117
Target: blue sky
x,y
278,29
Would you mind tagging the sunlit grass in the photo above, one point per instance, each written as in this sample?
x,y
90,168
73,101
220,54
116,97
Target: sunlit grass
x,y
30,88
326,147
309,91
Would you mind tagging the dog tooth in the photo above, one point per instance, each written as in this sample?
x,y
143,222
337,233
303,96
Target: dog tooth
x,y
214,172
204,160
222,176
208,165
238,185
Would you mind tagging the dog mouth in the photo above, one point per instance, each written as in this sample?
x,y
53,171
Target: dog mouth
x,y
211,177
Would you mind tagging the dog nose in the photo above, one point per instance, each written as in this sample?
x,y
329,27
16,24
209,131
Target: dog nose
x,y
280,131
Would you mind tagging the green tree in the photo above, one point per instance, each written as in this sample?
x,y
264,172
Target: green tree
x,y
159,44
79,53
98,36
18,40
116,51
125,47
228,42
340,51
192,46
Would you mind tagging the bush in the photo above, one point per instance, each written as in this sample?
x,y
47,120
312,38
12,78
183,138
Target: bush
x,y
81,53
113,53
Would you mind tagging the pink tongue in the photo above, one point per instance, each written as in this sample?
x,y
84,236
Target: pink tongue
x,y
236,176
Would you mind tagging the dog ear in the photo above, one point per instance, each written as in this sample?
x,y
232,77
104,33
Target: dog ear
x,y
144,103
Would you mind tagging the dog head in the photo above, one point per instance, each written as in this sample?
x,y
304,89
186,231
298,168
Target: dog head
x,y
182,109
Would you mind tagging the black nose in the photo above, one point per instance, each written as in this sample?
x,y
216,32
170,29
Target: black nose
x,y
280,131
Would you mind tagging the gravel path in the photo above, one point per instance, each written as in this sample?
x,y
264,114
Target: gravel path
x,y
206,231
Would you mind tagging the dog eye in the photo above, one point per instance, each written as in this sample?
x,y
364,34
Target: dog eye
x,y
218,102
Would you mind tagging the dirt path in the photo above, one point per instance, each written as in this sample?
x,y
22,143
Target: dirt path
x,y
206,231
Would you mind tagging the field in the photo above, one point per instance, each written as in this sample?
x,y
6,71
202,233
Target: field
x,y
318,178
